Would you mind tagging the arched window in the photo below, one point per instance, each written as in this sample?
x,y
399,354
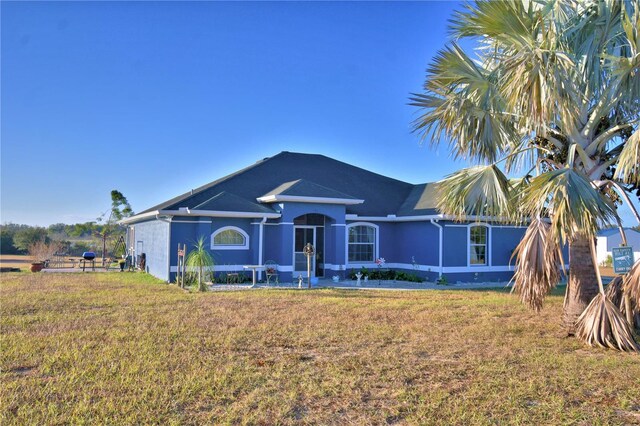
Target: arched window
x,y
362,242
478,254
230,238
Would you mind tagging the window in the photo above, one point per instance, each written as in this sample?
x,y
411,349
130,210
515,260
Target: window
x,y
362,243
478,245
230,238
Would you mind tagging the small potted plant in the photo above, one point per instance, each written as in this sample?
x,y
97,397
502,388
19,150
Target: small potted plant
x,y
121,263
36,266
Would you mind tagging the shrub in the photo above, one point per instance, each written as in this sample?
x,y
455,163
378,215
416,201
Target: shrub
x,y
221,278
42,250
442,280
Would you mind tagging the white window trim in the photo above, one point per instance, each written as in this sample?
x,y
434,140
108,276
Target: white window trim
x,y
244,246
487,245
376,245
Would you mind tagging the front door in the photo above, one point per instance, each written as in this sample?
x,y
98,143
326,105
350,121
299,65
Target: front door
x,y
301,237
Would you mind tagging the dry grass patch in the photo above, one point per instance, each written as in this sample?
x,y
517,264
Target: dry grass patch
x,y
16,261
123,348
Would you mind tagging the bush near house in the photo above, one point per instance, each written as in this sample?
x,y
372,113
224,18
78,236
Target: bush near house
x,y
385,275
221,278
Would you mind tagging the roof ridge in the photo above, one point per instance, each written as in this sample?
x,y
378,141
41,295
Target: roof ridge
x,y
285,187
365,170
225,196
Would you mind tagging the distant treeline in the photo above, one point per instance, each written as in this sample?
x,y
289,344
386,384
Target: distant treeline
x,y
76,238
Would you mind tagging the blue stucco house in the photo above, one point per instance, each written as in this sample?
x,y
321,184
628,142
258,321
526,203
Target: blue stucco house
x,y
273,208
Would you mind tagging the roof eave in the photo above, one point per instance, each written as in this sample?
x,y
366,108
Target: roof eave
x,y
220,213
139,217
393,218
203,213
418,218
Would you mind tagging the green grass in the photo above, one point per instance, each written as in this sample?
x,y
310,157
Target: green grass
x,y
127,349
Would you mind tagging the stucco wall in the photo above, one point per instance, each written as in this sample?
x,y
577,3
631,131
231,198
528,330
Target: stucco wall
x,y
417,240
189,230
154,236
455,245
398,242
504,240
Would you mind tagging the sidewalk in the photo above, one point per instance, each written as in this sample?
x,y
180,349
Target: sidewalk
x,y
371,285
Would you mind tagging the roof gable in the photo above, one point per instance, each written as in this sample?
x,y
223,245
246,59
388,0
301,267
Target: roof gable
x,y
305,188
420,201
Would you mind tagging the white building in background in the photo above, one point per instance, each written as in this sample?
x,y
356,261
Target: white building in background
x,y
610,238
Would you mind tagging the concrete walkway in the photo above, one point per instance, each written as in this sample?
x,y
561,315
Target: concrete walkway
x,y
327,283
371,285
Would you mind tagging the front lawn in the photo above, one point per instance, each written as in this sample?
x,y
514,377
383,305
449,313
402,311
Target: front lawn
x,y
125,349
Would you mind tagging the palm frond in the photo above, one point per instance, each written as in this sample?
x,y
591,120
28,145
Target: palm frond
x,y
539,84
479,190
628,166
536,76
460,104
573,205
627,67
510,22
614,291
603,325
538,259
632,285
618,295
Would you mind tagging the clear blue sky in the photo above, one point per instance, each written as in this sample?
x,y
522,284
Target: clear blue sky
x,y
154,99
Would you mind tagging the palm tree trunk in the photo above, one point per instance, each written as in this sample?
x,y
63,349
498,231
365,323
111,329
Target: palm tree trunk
x,y
583,284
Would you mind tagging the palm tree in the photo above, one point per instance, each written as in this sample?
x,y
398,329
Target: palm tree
x,y
551,95
200,259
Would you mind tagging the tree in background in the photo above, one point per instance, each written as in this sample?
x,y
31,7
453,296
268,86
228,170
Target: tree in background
x,y
553,95
120,209
85,229
7,234
25,237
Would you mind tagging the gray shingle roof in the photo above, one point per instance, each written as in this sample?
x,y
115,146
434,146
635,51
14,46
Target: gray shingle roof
x,y
308,175
227,202
421,201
